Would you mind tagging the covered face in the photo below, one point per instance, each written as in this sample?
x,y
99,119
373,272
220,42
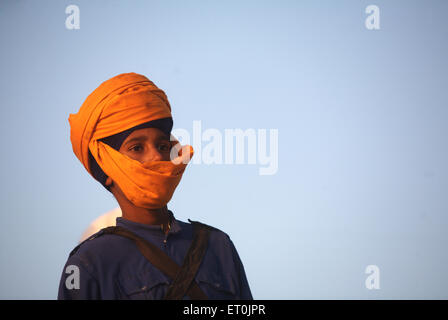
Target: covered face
x,y
114,110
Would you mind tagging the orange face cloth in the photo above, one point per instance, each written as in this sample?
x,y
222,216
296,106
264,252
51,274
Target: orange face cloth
x,y
118,104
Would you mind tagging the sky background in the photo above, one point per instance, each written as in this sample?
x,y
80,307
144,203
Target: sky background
x,y
361,116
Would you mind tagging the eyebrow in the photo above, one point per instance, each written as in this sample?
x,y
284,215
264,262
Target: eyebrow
x,y
134,139
143,138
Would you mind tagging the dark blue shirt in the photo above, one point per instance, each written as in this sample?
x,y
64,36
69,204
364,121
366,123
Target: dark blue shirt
x,y
112,267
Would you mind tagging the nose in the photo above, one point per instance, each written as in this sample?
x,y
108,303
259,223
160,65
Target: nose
x,y
153,154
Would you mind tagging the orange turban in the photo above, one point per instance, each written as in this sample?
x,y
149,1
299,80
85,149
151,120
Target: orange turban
x,y
118,104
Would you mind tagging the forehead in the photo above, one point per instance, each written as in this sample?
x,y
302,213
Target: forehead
x,y
146,133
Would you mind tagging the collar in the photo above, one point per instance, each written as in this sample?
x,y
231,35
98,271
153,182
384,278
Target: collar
x,y
154,229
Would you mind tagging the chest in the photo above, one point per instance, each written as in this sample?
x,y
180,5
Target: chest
x,y
132,276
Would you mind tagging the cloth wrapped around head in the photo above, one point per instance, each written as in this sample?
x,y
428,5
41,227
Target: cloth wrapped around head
x,y
118,106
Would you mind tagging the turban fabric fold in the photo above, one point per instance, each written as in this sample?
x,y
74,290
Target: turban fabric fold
x,y
119,104
115,141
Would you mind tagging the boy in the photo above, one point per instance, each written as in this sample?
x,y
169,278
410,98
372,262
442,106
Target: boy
x,y
121,135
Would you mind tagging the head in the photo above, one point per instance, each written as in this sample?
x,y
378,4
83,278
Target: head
x,y
121,134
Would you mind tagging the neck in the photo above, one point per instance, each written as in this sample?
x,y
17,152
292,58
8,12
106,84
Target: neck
x,y
146,216
133,213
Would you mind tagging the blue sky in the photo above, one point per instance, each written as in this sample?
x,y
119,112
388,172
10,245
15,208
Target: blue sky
x,y
361,118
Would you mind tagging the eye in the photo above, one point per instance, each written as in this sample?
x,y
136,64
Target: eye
x,y
136,148
165,146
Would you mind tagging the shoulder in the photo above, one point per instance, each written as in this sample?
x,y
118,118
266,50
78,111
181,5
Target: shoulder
x,y
100,245
213,230
217,237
